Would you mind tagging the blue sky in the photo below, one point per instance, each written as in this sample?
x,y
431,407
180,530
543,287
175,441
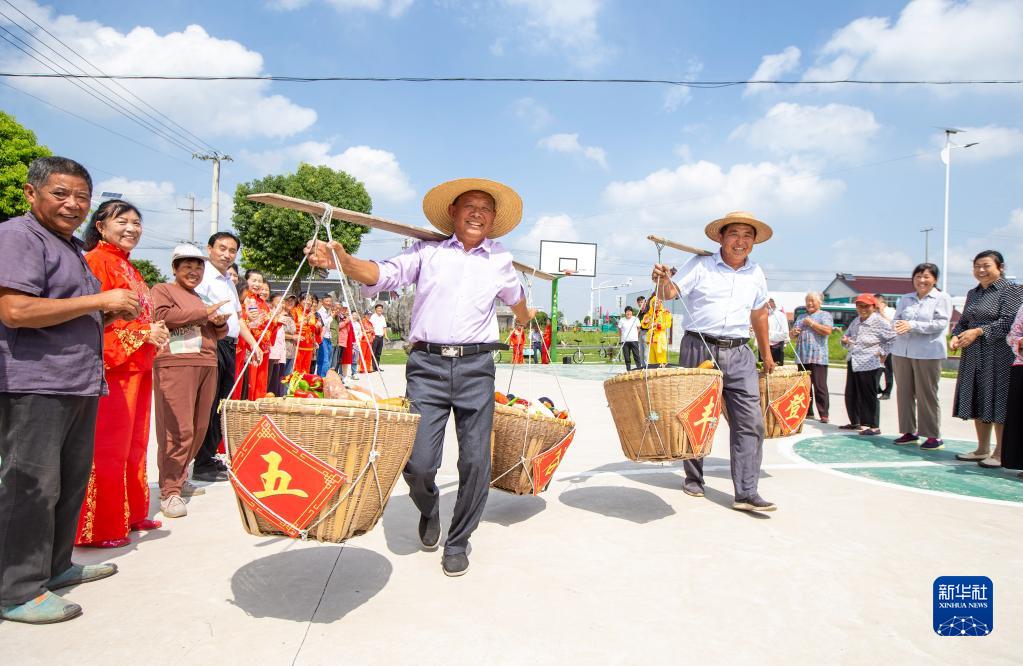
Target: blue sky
x,y
846,175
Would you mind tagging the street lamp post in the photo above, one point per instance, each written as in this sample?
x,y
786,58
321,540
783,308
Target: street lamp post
x,y
597,289
946,157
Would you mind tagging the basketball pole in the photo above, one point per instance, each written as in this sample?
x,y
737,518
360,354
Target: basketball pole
x,y
553,351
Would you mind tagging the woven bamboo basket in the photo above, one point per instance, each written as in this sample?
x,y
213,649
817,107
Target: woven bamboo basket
x,y
644,406
774,386
517,439
340,433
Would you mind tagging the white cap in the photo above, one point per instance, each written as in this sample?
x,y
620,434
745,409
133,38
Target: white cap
x,y
186,251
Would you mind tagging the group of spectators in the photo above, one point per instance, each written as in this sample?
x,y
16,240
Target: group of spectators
x,y
909,342
88,353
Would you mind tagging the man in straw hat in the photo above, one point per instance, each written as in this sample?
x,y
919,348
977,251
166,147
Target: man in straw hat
x,y
724,293
454,327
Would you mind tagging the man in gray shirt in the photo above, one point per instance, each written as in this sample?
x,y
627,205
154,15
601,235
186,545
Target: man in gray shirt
x,y
52,315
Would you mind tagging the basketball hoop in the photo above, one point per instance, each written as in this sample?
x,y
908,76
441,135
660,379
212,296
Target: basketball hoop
x,y
567,272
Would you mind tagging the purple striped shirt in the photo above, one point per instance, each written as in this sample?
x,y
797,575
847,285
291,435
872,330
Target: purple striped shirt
x,y
455,289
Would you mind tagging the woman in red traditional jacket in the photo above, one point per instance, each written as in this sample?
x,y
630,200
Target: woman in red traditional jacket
x,y
517,342
256,315
309,332
545,352
367,362
117,498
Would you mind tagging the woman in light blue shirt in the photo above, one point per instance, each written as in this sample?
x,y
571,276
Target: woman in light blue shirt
x,y
921,321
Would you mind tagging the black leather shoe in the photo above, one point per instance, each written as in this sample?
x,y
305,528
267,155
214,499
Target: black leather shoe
x,y
455,565
755,503
429,532
211,475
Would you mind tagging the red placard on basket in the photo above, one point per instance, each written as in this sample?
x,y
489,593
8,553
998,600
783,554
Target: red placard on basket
x,y
700,418
281,481
546,463
790,409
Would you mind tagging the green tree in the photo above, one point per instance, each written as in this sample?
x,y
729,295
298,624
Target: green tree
x,y
18,147
273,238
150,273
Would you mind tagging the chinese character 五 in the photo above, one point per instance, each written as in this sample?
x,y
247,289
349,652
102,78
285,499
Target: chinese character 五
x,y
276,480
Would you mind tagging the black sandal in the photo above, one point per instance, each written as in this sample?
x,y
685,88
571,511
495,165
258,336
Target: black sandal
x,y
850,426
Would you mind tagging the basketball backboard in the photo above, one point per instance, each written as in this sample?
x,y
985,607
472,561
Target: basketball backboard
x,y
560,257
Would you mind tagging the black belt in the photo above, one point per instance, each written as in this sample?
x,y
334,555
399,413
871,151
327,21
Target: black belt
x,y
724,343
455,351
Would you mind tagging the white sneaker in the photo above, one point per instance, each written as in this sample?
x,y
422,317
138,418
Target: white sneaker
x,y
192,490
173,507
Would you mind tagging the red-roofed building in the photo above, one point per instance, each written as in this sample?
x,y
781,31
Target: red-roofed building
x,y
845,287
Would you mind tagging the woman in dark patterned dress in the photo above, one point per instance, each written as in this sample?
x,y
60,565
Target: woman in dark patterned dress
x,y
982,390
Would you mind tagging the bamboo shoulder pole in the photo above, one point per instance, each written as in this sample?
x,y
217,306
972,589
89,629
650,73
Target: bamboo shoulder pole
x,y
374,222
679,246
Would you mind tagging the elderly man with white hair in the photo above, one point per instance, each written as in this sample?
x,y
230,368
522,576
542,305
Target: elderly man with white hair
x,y
811,333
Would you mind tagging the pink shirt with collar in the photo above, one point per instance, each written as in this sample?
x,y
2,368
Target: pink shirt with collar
x,y
455,289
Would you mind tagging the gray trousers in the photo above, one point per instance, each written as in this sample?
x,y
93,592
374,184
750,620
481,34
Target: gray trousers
x,y
916,389
642,347
46,444
746,425
436,385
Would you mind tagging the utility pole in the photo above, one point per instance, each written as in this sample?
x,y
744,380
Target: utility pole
x,y
192,210
926,231
216,158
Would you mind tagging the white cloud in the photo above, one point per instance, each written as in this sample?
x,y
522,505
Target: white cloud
x,y
394,8
859,255
532,113
835,130
773,67
567,25
555,227
932,39
994,143
569,144
379,170
241,109
683,152
686,198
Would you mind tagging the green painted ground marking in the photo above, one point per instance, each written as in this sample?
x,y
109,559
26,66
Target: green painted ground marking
x,y
910,466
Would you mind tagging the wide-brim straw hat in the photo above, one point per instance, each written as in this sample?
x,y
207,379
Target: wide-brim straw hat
x,y
713,229
507,200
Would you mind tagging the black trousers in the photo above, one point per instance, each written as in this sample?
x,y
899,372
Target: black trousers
x,y
1012,436
819,388
378,349
861,401
46,446
777,353
206,457
631,348
889,375
436,385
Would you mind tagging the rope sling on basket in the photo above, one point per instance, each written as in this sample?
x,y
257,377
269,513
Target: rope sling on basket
x,y
315,468
667,413
527,446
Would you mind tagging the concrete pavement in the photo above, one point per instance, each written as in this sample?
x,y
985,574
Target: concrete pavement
x,y
613,564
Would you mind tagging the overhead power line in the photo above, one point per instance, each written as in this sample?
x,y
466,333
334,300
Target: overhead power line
x,y
102,127
174,128
516,79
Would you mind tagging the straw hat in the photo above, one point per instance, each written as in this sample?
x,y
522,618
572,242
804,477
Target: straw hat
x,y
509,204
713,229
